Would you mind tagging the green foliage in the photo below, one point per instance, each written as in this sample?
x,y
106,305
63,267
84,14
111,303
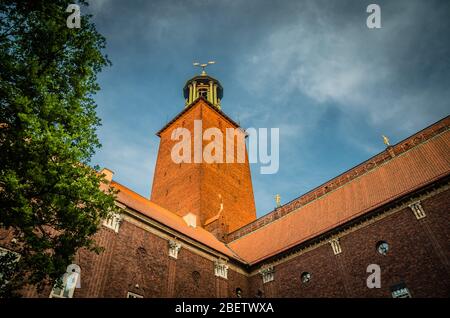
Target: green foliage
x,y
49,197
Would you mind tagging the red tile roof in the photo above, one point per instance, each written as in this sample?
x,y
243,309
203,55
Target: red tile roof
x,y
342,179
424,162
403,168
144,206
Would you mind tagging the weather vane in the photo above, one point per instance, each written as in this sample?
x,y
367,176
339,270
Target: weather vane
x,y
204,65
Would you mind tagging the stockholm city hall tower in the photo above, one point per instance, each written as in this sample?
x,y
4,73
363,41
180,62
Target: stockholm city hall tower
x,y
217,196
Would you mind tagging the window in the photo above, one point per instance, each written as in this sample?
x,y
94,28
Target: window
x,y
174,247
66,286
221,268
9,260
113,222
418,210
336,246
267,273
382,247
305,277
133,295
196,278
61,292
400,291
203,92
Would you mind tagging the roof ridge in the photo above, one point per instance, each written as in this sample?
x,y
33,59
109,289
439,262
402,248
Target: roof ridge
x,y
346,177
190,106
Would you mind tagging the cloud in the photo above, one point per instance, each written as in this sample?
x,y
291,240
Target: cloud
x,y
130,155
355,68
311,68
97,5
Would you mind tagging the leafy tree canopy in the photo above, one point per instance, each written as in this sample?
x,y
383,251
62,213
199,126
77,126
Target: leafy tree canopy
x,y
50,199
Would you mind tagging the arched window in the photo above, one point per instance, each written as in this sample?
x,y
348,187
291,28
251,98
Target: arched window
x,y
203,92
65,287
238,292
196,277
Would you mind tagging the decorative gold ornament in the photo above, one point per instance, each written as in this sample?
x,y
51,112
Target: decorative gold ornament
x,y
203,66
278,200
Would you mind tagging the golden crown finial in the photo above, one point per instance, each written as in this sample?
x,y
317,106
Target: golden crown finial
x,y
386,140
203,66
278,200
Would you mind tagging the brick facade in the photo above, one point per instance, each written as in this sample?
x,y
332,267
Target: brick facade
x,y
136,258
418,256
195,187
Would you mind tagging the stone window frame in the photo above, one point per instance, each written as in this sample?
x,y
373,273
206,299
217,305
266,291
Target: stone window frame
x,y
400,291
61,293
113,222
267,274
417,208
174,248
221,268
336,246
133,295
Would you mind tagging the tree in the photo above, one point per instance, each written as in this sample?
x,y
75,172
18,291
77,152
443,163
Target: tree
x,y
50,198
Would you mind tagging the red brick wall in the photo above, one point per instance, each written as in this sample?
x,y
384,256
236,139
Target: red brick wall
x,y
185,284
238,280
135,256
176,186
190,187
131,257
418,256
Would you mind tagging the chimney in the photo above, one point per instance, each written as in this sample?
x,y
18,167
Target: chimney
x,y
190,219
108,174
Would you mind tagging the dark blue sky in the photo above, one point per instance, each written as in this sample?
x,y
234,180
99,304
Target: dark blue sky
x,y
311,68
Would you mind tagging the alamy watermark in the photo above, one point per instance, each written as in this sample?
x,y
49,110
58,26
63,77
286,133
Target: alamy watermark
x,y
74,19
227,149
374,279
374,19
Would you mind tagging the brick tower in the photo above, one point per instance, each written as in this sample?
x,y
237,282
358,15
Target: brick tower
x,y
218,195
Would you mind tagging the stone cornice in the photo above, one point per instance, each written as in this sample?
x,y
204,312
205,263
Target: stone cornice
x,y
186,242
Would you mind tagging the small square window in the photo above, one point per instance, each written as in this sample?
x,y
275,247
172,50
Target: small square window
x,y
400,291
133,295
113,222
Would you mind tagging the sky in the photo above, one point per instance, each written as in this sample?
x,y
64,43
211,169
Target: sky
x,y
310,68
